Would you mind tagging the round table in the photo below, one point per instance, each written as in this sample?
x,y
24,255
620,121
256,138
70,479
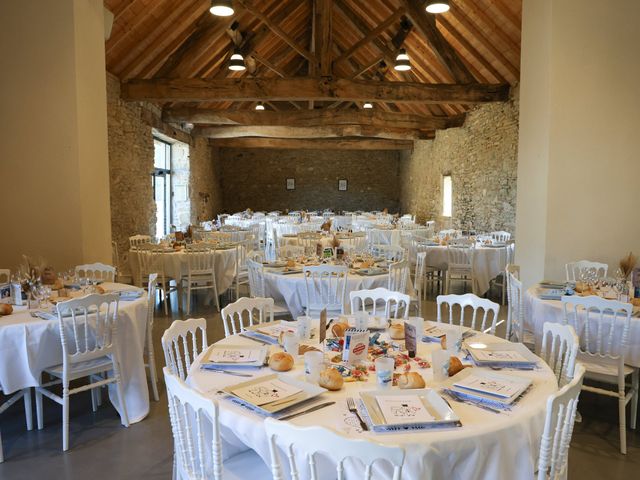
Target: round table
x,y
29,345
291,288
488,445
488,263
175,266
538,311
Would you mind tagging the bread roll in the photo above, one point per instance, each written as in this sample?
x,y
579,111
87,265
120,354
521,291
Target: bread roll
x,y
635,302
331,379
396,331
410,380
5,309
338,329
455,365
281,362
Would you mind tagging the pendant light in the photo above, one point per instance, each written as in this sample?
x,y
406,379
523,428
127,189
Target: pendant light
x,y
402,61
260,106
237,62
367,105
221,8
437,6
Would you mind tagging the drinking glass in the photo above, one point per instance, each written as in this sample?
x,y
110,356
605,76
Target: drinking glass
x,y
313,362
304,327
384,371
361,320
440,360
291,343
454,341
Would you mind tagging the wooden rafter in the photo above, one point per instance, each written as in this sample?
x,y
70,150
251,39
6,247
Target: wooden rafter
x,y
314,144
331,131
320,89
325,35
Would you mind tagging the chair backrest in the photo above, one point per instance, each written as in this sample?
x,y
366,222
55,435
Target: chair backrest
x,y
88,327
290,251
5,275
391,253
246,312
398,276
200,262
515,306
476,303
180,344
602,326
576,270
196,431
151,303
255,272
452,233
500,236
326,287
396,304
136,240
309,239
304,441
217,237
151,261
558,428
96,272
559,348
421,269
460,258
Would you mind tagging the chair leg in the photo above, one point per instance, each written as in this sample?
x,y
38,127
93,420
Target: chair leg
x,y
635,381
94,400
188,299
153,372
28,412
39,416
65,418
623,423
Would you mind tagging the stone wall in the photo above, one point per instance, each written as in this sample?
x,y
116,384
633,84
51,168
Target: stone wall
x,y
256,179
481,158
131,127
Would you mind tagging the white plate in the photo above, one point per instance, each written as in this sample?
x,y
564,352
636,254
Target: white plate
x,y
264,350
433,402
309,391
530,358
486,398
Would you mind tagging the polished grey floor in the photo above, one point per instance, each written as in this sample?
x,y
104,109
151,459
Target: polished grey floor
x,y
102,449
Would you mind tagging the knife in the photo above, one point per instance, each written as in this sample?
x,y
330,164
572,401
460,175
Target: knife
x,y
264,342
308,410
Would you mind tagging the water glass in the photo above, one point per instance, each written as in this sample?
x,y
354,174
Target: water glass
x,y
384,371
361,320
313,362
440,360
304,327
454,341
291,343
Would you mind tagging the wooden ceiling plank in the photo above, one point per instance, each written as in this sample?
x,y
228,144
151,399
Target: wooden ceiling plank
x,y
325,35
490,24
322,89
506,12
426,24
313,144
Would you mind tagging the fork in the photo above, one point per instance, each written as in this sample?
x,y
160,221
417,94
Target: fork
x,y
351,405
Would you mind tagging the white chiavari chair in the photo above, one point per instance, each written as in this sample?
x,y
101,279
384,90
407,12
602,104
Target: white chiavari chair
x,y
196,438
460,266
393,304
391,253
246,312
553,462
96,272
303,441
419,282
603,328
290,251
500,236
489,309
151,260
152,286
137,240
241,276
309,240
181,345
88,334
326,287
24,394
575,270
398,276
559,349
257,286
201,274
515,331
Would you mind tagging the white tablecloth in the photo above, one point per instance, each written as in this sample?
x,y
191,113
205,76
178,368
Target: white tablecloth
x,y
175,266
488,263
29,345
488,446
291,288
538,311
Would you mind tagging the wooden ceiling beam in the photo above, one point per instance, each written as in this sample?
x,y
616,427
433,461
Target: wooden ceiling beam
x,y
426,25
276,29
331,131
325,35
304,88
306,118
313,144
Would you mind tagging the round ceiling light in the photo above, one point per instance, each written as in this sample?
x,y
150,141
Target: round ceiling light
x,y
221,8
402,61
237,62
437,6
260,106
367,105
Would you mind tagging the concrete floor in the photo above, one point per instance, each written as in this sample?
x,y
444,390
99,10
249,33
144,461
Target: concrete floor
x,y
102,449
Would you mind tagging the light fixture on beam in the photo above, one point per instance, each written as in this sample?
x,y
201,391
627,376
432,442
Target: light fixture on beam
x,y
367,105
221,8
236,62
260,106
402,61
437,6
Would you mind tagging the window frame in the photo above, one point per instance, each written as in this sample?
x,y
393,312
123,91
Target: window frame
x,y
164,172
447,191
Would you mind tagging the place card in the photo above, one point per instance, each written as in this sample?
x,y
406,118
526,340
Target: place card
x,y
498,356
497,387
235,355
356,346
266,392
398,410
